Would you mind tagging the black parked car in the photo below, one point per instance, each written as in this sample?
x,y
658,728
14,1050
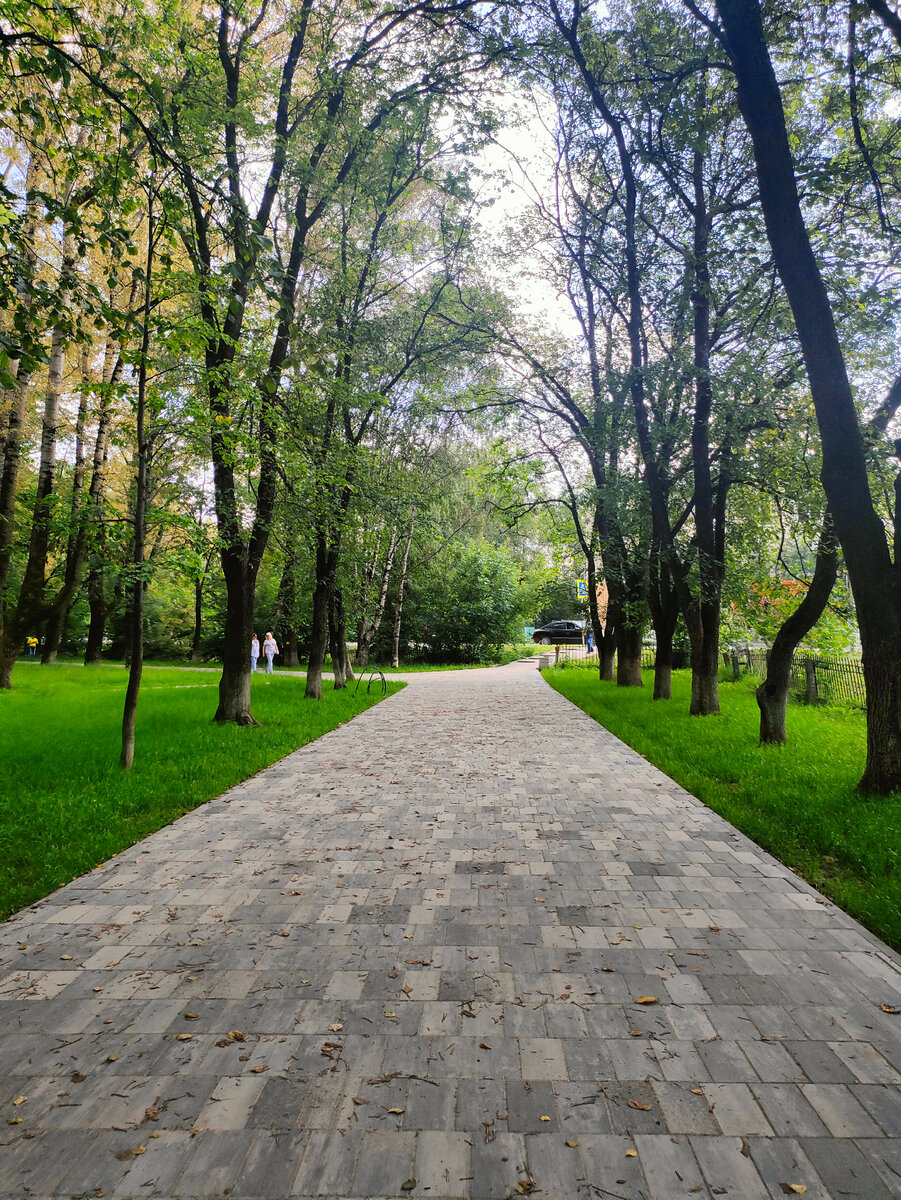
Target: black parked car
x,y
559,633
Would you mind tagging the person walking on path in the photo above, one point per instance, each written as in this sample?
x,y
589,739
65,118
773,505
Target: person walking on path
x,y
270,649
254,652
32,646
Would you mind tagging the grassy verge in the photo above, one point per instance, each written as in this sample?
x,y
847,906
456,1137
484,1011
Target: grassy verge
x,y
798,801
65,804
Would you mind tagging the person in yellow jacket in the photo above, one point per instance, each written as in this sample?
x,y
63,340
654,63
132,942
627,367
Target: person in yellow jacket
x,y
32,644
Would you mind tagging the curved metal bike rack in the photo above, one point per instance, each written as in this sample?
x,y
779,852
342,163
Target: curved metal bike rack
x,y
372,674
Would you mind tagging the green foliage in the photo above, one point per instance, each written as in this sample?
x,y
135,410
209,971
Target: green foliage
x,y
66,805
465,610
799,801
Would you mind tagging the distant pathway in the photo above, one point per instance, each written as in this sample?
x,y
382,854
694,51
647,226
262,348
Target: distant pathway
x,y
468,945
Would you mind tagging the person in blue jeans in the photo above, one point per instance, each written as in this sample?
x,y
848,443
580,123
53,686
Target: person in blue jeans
x,y
254,652
270,649
589,641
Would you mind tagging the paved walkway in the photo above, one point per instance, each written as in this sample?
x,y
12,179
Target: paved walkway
x,y
469,945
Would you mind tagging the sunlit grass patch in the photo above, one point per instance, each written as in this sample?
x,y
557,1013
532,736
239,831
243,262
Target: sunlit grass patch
x,y
66,805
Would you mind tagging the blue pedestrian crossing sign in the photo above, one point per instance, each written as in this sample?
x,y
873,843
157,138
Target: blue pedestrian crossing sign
x,y
582,589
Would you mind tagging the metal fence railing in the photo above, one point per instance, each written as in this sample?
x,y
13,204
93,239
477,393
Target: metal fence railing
x,y
822,678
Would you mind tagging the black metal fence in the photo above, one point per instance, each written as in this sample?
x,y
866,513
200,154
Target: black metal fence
x,y
819,678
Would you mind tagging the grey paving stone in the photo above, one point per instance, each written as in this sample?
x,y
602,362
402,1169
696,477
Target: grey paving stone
x,y
819,1062
498,1166
327,1166
787,1110
728,1167
885,1158
685,1108
581,1107
608,1166
842,1114
385,1162
883,1103
670,1167
781,1162
443,1165
845,1171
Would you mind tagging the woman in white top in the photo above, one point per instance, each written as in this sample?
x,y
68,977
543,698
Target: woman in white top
x,y
270,649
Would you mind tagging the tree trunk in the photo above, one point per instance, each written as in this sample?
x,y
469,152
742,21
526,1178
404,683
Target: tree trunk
x,y
31,608
844,472
664,604
198,620
234,685
98,610
136,659
628,661
13,417
772,694
369,628
401,587
703,622
319,638
663,671
608,641
338,640
56,622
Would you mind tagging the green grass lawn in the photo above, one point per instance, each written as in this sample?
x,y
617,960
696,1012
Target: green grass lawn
x,y
798,800
66,805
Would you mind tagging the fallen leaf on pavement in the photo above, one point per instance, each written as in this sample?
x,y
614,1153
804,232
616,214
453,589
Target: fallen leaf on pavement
x,y
647,1000
638,1104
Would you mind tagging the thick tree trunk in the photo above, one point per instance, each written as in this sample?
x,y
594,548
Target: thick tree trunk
x,y
872,573
664,604
628,656
234,686
663,671
608,641
703,622
54,632
772,694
